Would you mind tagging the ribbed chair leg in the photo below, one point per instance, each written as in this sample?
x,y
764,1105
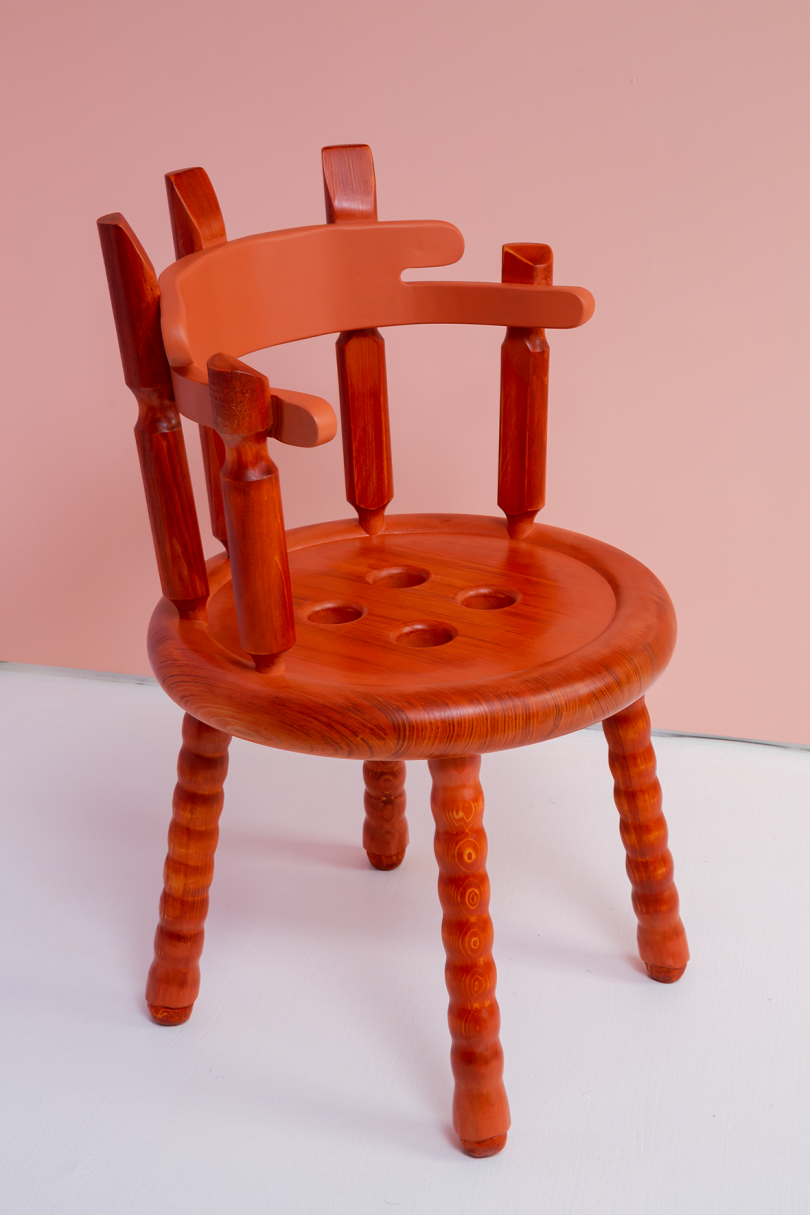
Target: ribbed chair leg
x,y
385,831
174,978
661,935
480,1107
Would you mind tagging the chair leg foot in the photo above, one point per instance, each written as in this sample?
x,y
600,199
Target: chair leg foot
x,y
385,862
174,978
486,1147
385,831
480,1106
170,1016
661,935
665,974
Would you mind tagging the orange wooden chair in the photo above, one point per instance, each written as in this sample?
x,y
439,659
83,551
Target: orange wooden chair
x,y
384,638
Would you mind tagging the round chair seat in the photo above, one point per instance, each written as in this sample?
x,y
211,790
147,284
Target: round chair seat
x,y
441,636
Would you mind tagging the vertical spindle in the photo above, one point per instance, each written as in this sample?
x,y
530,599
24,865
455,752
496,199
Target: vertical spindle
x,y
524,399
351,196
135,297
194,210
242,409
213,454
197,224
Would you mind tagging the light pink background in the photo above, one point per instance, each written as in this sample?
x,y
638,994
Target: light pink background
x,y
659,148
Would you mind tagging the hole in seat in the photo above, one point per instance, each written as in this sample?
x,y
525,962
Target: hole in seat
x,y
486,598
335,613
423,634
398,576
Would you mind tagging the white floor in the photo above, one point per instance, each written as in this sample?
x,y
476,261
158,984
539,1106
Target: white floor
x,y
314,1075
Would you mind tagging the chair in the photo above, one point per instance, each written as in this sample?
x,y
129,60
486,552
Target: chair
x,y
386,637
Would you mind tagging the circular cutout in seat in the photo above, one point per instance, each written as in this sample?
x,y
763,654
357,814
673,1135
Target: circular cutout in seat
x,y
335,613
424,634
486,598
397,577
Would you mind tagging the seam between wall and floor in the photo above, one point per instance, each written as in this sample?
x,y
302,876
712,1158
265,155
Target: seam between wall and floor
x,y
32,668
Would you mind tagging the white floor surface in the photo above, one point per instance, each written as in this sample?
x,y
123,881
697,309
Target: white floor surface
x,y
314,1073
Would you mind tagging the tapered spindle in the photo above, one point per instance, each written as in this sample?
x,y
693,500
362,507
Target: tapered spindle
x,y
349,183
213,454
385,831
135,296
351,196
197,224
242,408
524,399
194,210
637,792
480,1106
365,425
174,978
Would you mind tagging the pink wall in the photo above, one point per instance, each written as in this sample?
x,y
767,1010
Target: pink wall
x,y
658,148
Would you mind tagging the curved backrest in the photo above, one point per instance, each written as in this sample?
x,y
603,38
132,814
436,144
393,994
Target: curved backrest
x,y
302,282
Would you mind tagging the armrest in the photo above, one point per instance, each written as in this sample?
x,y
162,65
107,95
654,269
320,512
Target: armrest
x,y
521,305
299,419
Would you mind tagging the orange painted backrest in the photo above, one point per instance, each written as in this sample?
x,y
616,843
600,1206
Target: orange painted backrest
x,y
278,287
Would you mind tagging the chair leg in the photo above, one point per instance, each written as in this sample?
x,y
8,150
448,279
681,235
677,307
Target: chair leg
x,y
661,936
385,831
174,978
480,1107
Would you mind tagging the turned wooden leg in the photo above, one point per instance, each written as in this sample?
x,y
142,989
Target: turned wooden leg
x,y
385,831
661,936
174,978
480,1108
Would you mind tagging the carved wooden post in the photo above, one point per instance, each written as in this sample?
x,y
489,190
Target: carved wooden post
x,y
197,224
241,403
213,454
480,1106
135,296
351,195
385,831
174,978
194,210
661,935
524,399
